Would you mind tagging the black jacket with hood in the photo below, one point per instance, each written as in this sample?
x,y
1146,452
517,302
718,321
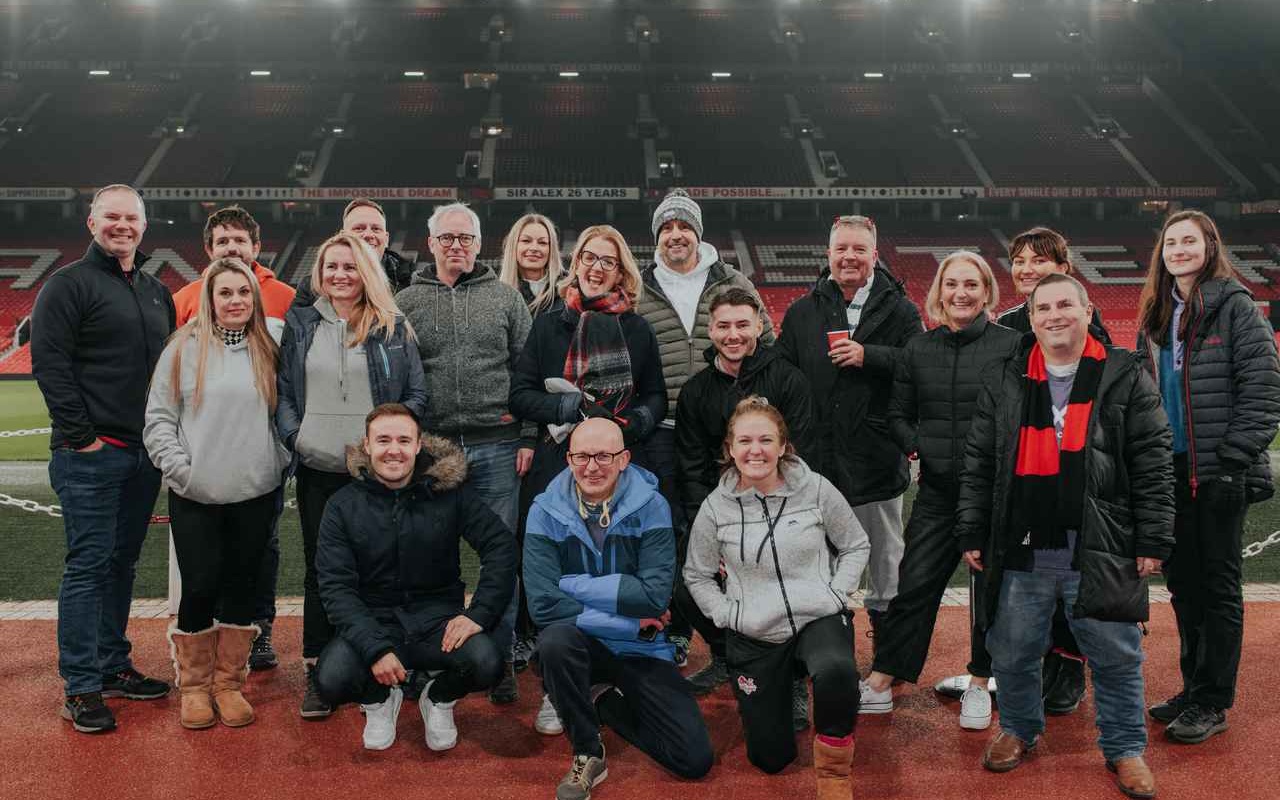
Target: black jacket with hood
x,y
851,404
709,399
388,560
1128,493
1231,386
935,389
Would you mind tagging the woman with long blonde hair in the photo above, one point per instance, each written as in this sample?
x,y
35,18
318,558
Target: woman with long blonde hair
x,y
348,352
209,431
531,262
1214,358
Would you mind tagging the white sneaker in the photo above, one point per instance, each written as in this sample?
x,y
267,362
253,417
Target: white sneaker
x,y
442,734
975,709
380,720
872,702
954,686
548,720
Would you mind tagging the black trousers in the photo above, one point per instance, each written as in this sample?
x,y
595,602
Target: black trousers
x,y
342,676
658,455
219,550
762,677
929,560
314,490
653,708
1206,584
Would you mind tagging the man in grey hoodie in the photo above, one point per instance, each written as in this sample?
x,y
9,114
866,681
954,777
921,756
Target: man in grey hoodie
x,y
471,328
686,274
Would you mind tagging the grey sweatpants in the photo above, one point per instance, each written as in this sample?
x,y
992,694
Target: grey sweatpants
x,y
882,521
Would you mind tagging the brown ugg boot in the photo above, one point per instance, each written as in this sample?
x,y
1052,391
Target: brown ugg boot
x,y
832,764
193,665
230,669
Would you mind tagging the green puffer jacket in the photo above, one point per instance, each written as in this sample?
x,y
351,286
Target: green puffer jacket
x,y
680,351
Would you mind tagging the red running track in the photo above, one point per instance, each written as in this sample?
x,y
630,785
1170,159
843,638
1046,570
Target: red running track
x,y
917,752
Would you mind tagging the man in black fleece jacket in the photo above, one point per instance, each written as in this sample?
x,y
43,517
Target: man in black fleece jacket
x,y
98,327
390,579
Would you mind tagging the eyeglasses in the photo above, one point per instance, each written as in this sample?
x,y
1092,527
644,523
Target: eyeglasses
x,y
603,459
447,239
590,259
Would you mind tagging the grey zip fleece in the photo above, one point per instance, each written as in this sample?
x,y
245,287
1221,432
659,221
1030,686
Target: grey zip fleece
x,y
780,573
469,336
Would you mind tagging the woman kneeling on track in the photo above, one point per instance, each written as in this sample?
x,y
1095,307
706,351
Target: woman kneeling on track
x,y
209,430
774,527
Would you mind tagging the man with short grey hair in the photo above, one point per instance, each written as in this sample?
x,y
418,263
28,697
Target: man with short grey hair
x,y
471,328
98,328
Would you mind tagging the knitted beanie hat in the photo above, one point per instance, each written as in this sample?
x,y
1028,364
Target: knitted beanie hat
x,y
678,205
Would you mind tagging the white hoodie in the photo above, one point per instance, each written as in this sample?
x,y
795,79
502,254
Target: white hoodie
x,y
683,290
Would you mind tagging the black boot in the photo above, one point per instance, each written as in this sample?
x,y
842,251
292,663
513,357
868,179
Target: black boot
x,y
1067,690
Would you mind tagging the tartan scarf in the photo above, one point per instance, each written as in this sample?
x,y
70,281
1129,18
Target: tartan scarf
x,y
1049,477
598,361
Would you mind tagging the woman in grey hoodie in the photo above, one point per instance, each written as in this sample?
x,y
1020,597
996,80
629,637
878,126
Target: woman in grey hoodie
x,y
791,551
348,352
209,431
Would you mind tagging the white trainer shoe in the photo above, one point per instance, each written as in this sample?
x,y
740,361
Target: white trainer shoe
x,y
380,720
954,686
975,709
548,720
872,702
442,733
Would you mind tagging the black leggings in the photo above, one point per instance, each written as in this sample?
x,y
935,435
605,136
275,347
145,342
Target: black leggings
x,y
761,674
314,490
219,550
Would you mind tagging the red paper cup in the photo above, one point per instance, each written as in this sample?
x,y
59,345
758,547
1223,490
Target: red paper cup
x,y
836,336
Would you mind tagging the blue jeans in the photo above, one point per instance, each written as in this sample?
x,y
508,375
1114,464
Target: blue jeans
x,y
107,498
491,472
1019,638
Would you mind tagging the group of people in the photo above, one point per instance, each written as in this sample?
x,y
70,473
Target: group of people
x,y
635,456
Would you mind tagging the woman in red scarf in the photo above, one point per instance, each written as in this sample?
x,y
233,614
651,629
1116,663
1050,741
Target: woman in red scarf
x,y
594,358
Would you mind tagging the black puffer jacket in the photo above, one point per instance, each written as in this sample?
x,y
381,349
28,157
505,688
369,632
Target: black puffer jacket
x,y
389,559
851,404
1128,502
708,400
935,389
1018,319
1231,385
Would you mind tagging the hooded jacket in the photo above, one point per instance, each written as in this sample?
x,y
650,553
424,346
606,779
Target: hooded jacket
x,y
796,565
469,339
1128,494
277,296
1231,381
604,591
681,351
935,388
394,371
707,403
388,560
95,340
852,403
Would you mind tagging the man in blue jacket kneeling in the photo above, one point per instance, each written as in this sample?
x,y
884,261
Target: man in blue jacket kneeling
x,y
599,560
387,561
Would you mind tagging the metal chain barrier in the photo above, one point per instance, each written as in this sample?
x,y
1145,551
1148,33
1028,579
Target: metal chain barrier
x,y
26,432
1250,550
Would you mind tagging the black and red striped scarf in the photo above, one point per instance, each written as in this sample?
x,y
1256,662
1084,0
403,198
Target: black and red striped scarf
x,y
1049,477
598,361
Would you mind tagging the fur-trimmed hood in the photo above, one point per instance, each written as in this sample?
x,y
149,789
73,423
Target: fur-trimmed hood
x,y
441,464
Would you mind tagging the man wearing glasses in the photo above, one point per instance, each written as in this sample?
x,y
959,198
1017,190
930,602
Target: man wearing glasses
x,y
599,560
471,328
